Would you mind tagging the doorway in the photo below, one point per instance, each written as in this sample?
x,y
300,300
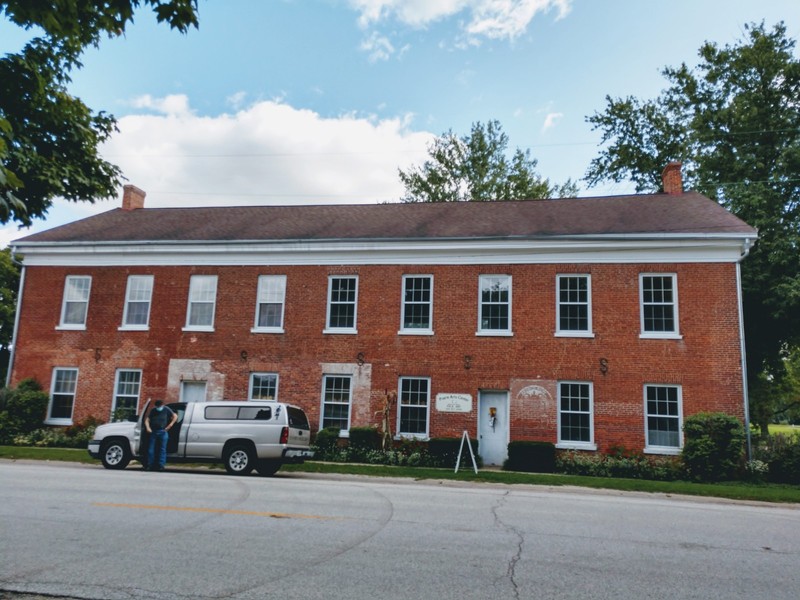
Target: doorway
x,y
493,427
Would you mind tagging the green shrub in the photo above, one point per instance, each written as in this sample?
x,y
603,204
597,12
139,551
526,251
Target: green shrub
x,y
713,446
443,452
22,409
365,438
325,442
620,463
531,457
781,453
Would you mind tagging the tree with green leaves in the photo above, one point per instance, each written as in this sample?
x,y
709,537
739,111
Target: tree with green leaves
x,y
734,123
9,284
49,139
476,167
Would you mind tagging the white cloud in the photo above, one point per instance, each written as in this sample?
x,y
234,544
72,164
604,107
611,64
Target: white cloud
x,y
493,19
378,47
551,120
267,153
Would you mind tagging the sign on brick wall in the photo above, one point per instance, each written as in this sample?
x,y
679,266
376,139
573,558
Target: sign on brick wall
x,y
454,403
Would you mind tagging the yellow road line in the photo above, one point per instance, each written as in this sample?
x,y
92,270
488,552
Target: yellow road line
x,y
221,511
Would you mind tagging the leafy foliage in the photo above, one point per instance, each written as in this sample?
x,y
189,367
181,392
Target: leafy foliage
x,y
9,285
476,168
22,409
713,446
625,464
49,139
734,123
781,453
531,457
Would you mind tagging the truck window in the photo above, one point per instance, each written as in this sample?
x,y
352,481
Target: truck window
x,y
221,412
257,413
297,418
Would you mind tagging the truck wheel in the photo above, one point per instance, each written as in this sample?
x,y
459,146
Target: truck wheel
x,y
268,468
239,459
115,454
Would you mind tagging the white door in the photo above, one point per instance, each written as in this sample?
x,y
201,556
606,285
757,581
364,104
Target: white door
x,y
493,427
193,391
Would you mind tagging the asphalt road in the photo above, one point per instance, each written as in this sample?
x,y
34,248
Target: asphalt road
x,y
80,531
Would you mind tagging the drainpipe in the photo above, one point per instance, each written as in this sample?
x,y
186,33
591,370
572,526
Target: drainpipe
x,y
16,316
745,252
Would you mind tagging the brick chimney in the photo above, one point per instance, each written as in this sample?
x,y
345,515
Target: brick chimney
x,y
671,178
132,197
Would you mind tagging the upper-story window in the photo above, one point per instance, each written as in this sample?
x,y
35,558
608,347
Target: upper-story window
x,y
126,394
412,407
202,302
137,302
263,386
659,305
575,415
663,418
342,304
574,305
494,305
417,306
75,304
62,396
270,303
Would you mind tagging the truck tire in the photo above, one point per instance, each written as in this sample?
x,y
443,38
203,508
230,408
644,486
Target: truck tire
x,y
115,454
240,459
268,468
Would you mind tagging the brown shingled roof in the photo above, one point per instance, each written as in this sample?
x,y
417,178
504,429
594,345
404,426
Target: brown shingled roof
x,y
688,213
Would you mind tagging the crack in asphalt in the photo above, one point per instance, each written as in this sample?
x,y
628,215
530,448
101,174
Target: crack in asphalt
x,y
512,563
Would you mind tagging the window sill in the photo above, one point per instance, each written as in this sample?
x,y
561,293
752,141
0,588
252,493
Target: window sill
x,y
199,328
267,330
133,328
58,422
494,333
666,450
574,334
421,437
415,332
343,330
70,327
660,336
576,446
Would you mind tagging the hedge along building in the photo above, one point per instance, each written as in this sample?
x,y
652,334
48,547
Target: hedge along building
x,y
589,323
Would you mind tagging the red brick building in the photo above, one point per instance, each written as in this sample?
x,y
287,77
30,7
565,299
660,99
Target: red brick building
x,y
589,323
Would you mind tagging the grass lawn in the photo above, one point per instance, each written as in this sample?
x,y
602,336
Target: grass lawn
x,y
784,429
731,490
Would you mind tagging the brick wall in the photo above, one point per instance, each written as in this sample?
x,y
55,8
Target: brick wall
x,y
705,362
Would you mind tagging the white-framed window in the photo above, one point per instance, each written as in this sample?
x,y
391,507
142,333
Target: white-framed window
x,y
137,302
494,305
574,305
342,304
576,415
270,304
62,396
659,305
413,405
202,303
417,305
337,396
663,418
263,386
127,387
75,304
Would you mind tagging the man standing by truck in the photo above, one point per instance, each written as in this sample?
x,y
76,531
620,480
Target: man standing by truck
x,y
158,423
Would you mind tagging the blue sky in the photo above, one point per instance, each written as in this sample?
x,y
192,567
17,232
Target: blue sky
x,y
321,101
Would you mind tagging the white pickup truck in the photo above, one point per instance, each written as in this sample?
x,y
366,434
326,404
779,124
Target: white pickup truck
x,y
242,435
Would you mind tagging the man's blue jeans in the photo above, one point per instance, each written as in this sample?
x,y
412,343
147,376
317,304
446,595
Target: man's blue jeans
x,y
161,435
